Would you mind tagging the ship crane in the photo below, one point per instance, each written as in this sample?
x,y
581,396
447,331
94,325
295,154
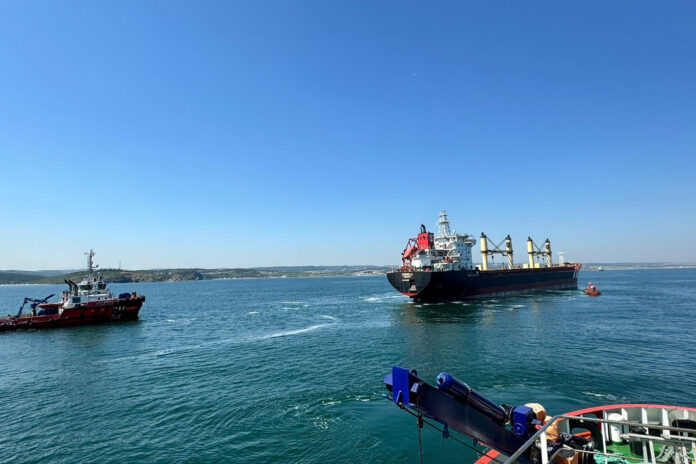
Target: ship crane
x,y
408,253
457,406
33,302
424,241
497,249
534,250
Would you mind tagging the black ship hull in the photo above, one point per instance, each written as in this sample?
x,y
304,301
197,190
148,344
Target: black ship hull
x,y
466,284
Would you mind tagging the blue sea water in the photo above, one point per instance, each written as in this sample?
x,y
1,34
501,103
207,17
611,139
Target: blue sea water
x,y
291,370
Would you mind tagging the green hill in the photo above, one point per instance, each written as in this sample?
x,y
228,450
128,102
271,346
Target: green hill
x,y
175,275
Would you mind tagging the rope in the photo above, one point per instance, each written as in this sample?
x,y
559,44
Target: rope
x,y
420,443
442,449
423,421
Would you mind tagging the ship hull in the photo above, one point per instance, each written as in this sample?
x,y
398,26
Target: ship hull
x,y
95,312
468,284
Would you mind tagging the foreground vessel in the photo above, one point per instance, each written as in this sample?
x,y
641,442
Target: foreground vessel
x,y
620,433
87,302
440,267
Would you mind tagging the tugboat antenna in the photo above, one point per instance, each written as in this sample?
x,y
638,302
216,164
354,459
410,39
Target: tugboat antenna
x,y
90,263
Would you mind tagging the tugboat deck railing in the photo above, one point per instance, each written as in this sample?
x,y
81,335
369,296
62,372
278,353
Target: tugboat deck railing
x,y
670,434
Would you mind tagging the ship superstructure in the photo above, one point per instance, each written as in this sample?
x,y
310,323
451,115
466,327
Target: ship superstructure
x,y
445,251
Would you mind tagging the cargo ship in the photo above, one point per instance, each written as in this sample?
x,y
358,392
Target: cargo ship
x,y
436,267
616,434
87,302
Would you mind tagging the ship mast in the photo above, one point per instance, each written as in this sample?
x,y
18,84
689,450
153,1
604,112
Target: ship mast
x,y
443,225
90,264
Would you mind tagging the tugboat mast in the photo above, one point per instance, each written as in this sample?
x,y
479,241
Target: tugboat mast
x,y
90,264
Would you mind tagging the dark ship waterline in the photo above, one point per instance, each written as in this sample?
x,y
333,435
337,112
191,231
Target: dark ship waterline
x,y
439,267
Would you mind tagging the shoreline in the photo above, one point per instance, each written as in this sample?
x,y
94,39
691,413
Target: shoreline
x,y
371,273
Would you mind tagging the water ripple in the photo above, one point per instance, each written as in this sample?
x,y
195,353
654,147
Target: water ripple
x,y
226,371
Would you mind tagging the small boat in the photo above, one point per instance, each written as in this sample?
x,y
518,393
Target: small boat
x,y
591,290
619,433
87,302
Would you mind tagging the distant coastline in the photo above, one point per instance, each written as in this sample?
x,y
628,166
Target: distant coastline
x,y
635,266
193,274
180,275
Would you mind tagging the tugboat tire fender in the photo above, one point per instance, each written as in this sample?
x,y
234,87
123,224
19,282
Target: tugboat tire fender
x,y
591,427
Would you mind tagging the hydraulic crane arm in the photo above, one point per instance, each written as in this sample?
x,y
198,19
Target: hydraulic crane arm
x,y
33,302
456,405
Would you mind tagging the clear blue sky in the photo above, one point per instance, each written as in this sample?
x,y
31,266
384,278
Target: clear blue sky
x,y
256,133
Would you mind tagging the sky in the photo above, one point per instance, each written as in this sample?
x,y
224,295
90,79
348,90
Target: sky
x,y
240,134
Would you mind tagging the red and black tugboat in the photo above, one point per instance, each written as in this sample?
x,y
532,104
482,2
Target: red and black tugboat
x,y
440,267
87,302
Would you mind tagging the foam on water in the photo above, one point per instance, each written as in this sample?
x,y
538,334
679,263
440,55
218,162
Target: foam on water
x,y
292,332
601,395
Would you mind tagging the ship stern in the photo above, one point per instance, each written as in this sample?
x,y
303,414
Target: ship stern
x,y
409,283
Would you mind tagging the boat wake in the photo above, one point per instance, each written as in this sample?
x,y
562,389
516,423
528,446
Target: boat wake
x,y
287,333
382,297
349,399
517,306
227,341
311,328
608,396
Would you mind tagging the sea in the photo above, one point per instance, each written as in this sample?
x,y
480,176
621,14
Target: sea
x,y
292,370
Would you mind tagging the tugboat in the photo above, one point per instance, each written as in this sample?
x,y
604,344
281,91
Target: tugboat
x,y
619,433
87,302
439,267
591,290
